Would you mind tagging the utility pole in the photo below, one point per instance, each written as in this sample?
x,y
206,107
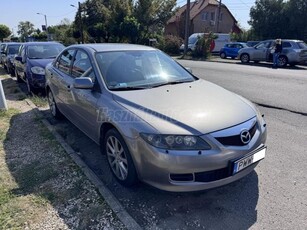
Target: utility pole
x,y
80,18
81,23
218,16
187,27
45,24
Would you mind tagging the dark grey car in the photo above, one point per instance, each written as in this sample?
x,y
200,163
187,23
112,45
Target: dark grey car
x,y
154,120
293,52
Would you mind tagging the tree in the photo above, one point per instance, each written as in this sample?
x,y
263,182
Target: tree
x,y
4,32
130,28
268,19
297,23
25,29
63,32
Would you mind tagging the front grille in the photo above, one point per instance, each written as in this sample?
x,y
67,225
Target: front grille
x,y
236,140
213,175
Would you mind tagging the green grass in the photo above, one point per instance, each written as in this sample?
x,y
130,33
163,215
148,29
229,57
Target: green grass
x,y
39,101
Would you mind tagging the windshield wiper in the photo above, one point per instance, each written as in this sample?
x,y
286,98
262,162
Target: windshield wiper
x,y
170,83
127,88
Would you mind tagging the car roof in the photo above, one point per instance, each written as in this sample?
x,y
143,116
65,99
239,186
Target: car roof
x,y
112,47
40,43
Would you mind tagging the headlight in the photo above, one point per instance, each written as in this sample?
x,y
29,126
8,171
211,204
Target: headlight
x,y
176,142
38,70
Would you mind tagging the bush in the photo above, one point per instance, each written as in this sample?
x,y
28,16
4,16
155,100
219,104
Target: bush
x,y
202,48
170,44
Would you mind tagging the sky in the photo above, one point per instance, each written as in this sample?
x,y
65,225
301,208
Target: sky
x,y
14,11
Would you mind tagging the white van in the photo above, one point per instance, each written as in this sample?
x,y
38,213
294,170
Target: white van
x,y
219,42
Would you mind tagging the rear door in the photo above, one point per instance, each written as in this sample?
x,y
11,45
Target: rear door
x,y
59,76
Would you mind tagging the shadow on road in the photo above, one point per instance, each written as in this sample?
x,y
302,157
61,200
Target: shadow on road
x,y
229,207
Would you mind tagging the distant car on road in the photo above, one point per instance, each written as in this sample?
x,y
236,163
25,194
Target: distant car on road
x,y
31,61
9,52
293,52
153,119
231,49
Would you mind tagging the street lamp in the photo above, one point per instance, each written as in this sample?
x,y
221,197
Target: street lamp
x,y
45,24
80,18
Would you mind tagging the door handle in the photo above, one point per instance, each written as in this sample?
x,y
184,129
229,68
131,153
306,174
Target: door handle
x,y
68,87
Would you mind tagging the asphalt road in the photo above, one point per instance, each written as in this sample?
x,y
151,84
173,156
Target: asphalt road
x,y
274,196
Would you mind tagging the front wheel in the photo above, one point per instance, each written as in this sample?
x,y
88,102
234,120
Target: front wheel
x,y
282,61
119,158
244,58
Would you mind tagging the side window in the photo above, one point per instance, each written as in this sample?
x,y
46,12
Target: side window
x,y
64,61
82,66
286,45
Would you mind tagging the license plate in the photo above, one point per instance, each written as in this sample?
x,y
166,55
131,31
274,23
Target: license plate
x,y
248,160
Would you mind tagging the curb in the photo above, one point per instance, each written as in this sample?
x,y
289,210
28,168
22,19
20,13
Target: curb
x,y
111,200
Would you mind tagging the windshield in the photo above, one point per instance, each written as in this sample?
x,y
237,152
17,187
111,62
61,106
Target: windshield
x,y
140,69
302,45
13,49
44,51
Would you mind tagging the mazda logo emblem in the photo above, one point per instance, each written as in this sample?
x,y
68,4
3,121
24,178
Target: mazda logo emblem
x,y
245,137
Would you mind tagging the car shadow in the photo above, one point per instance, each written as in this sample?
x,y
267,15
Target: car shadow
x,y
229,207
270,65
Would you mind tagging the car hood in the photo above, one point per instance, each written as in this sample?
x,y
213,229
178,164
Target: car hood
x,y
197,108
40,62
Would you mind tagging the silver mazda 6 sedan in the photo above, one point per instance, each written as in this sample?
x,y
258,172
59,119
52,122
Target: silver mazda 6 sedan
x,y
153,119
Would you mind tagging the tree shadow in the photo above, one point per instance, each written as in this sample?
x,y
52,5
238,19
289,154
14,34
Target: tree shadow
x,y
270,65
45,174
229,207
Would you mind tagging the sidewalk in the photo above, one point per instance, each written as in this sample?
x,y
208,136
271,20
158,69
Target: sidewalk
x,y
40,186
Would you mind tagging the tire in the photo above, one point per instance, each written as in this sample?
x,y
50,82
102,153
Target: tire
x,y
55,112
245,58
119,158
282,61
223,55
30,88
19,80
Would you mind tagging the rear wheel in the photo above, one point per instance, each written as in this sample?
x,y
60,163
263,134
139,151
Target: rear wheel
x,y
119,158
282,61
53,107
223,55
244,58
17,76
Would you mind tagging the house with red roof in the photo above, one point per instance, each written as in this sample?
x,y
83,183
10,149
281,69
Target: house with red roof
x,y
203,18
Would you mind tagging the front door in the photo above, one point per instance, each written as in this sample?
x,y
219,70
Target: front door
x,y
261,52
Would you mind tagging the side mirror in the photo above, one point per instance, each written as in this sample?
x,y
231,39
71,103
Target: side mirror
x,y
83,83
189,69
18,58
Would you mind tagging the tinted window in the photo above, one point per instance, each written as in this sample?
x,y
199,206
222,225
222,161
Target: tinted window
x,y
65,61
12,49
262,45
81,65
286,45
302,45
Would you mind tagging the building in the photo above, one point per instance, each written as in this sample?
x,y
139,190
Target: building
x,y
203,18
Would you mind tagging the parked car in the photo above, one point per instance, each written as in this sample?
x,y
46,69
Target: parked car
x,y
9,53
31,61
153,119
2,47
252,43
219,42
231,49
293,52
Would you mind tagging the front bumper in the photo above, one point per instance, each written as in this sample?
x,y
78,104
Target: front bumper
x,y
184,171
38,81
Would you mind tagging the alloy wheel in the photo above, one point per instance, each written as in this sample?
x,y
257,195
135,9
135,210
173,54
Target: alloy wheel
x,y
117,158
